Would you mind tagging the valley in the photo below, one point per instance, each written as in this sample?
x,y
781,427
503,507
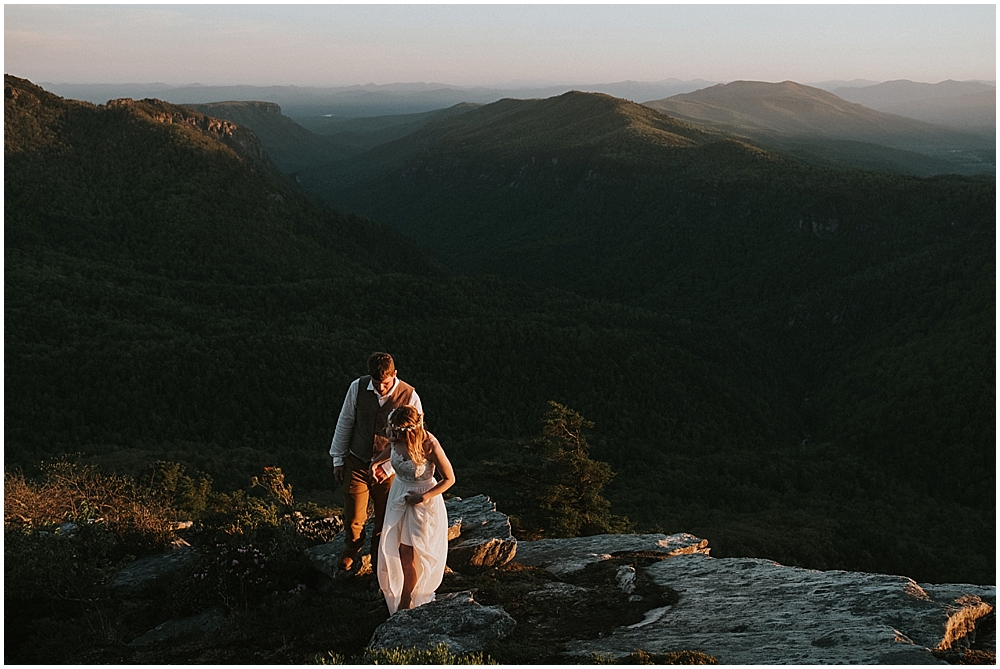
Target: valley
x,y
791,356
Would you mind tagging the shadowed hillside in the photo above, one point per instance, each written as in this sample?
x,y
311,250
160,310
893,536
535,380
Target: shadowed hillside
x,y
166,301
768,351
368,132
834,274
290,145
163,188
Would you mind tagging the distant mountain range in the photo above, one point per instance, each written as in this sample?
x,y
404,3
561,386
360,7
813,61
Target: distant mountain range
x,y
303,102
461,185
970,105
810,122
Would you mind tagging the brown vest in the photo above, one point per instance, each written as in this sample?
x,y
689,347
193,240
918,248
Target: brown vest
x,y
368,438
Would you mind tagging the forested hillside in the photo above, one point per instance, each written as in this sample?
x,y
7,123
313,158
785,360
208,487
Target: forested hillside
x,y
869,295
287,143
769,353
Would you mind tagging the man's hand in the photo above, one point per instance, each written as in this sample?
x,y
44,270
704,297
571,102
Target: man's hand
x,y
338,473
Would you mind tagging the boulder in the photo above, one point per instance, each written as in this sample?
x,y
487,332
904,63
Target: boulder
x,y
208,620
326,557
485,540
565,556
146,570
754,611
455,619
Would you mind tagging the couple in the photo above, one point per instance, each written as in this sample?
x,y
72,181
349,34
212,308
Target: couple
x,y
381,451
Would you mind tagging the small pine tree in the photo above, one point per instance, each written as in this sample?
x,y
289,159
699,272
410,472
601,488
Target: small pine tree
x,y
562,496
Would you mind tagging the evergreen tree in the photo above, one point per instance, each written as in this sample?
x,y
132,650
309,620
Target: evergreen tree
x,y
563,496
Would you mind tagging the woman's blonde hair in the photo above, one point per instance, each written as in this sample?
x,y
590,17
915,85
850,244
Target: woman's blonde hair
x,y
406,426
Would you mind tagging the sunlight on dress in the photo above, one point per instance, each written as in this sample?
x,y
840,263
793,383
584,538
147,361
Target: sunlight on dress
x,y
423,526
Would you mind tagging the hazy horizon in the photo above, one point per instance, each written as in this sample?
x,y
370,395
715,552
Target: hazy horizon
x,y
496,45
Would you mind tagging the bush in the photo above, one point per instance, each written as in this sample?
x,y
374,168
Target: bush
x,y
640,657
189,496
440,654
241,571
139,518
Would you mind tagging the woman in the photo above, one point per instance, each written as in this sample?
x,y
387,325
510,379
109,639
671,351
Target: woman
x,y
414,545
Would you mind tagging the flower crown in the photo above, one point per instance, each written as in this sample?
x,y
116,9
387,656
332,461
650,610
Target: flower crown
x,y
407,428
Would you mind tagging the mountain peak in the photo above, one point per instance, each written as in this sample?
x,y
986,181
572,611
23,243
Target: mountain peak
x,y
573,120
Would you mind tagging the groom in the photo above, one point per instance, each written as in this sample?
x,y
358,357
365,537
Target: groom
x,y
360,435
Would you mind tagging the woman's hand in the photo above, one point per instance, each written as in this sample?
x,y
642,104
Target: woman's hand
x,y
413,498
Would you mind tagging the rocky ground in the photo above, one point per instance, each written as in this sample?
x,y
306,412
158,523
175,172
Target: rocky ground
x,y
632,599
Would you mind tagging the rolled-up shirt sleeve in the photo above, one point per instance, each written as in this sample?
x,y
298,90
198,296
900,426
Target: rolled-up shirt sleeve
x,y
345,426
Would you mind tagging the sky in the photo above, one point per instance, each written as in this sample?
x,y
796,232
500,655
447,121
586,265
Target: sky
x,y
478,44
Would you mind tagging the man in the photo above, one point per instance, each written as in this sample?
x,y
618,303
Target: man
x,y
359,436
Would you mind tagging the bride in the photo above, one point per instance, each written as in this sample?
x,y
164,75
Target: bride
x,y
414,545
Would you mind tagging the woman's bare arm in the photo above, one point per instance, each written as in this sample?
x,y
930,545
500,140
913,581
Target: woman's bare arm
x,y
444,472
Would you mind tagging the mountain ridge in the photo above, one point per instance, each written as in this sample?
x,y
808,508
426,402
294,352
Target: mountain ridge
x,y
91,155
289,145
821,127
792,108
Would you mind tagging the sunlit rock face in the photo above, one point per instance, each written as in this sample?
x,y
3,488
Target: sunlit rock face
x,y
484,538
562,556
753,611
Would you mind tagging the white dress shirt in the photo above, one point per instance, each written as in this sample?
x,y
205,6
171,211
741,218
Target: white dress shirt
x,y
345,423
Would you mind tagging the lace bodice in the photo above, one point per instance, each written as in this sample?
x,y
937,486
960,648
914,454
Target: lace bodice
x,y
407,471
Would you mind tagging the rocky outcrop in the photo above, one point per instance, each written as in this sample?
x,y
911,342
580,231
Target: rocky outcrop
x,y
241,140
148,569
753,611
455,619
563,556
207,621
484,541
565,600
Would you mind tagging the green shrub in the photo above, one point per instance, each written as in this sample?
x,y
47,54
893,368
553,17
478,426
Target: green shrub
x,y
242,570
642,657
440,654
189,496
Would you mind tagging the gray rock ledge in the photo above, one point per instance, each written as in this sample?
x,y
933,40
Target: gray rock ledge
x,y
565,556
754,611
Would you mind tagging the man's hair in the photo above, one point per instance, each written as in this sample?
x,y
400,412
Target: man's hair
x,y
380,365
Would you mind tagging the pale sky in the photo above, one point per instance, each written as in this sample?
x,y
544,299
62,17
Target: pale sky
x,y
470,44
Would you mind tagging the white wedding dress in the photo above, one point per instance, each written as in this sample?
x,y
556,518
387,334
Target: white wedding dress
x,y
423,526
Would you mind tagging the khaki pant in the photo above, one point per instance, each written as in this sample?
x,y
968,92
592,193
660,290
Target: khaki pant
x,y
359,487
